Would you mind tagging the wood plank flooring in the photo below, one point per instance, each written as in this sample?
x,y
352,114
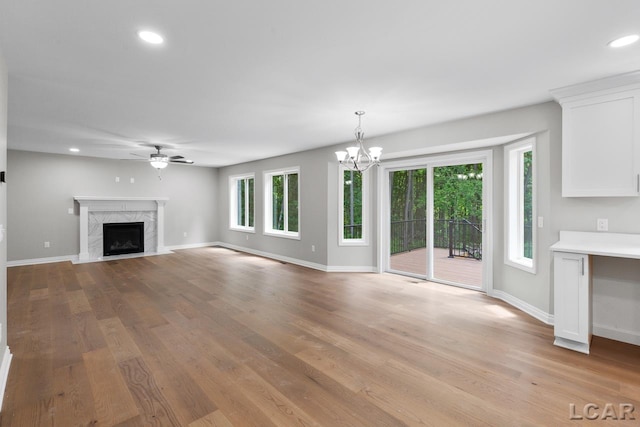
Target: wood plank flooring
x,y
212,337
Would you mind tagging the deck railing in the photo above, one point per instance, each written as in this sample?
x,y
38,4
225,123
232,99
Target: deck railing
x,y
353,231
462,237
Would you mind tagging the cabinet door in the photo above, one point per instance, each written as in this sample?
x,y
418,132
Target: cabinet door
x,y
601,145
572,307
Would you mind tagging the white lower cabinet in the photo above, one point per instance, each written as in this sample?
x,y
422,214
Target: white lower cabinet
x,y
572,301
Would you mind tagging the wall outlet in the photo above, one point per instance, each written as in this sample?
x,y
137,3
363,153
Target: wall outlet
x,y
132,180
540,222
313,248
117,179
47,244
70,211
602,224
185,234
247,236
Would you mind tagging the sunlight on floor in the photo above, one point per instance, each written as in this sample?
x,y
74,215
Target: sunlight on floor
x,y
500,312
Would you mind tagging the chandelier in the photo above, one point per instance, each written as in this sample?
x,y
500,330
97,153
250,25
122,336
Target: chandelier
x,y
356,158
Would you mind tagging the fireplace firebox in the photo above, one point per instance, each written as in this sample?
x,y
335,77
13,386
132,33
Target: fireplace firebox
x,y
123,238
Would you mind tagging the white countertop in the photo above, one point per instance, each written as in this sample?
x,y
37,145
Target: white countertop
x,y
621,245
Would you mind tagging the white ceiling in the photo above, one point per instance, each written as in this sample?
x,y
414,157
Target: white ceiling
x,y
242,80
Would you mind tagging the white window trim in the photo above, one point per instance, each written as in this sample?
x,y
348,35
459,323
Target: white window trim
x,y
513,202
364,241
233,203
268,204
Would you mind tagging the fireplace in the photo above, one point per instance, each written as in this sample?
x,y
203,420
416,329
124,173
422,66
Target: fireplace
x,y
122,238
98,210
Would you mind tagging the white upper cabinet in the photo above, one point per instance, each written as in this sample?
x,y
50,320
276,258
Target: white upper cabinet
x,y
601,137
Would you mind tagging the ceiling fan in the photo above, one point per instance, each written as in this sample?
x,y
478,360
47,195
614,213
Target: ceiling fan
x,y
160,160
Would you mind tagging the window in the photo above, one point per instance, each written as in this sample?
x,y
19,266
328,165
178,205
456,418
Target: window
x,y
352,196
242,210
520,190
282,203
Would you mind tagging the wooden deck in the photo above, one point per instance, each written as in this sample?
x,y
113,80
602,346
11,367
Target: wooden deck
x,y
458,270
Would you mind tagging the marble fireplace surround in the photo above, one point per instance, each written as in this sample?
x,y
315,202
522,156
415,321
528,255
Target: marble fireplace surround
x,y
94,211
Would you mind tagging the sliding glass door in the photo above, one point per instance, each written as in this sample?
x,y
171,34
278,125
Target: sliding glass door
x,y
457,224
434,214
408,221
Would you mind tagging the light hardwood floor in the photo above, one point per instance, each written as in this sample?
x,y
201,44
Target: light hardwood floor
x,y
212,337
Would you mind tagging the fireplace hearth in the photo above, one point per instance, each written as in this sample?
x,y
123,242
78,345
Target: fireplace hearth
x,y
123,238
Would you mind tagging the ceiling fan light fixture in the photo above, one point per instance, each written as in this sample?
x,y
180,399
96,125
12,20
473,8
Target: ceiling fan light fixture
x,y
159,161
159,164
150,37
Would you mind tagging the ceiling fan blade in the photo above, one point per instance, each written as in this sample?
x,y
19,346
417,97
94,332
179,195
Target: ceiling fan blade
x,y
176,158
185,162
139,155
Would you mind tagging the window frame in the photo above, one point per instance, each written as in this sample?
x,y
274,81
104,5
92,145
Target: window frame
x,y
364,240
234,202
268,203
514,205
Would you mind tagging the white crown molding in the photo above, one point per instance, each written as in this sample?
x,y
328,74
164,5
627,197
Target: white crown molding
x,y
610,84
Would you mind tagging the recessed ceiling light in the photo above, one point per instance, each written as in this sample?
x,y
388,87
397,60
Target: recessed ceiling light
x,y
151,37
74,150
624,41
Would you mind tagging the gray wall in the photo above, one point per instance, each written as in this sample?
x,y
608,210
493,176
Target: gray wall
x,y
313,211
3,205
42,186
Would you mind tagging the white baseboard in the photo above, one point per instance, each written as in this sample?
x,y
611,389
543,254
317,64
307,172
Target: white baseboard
x,y
630,337
350,269
192,246
282,258
168,249
542,316
4,372
296,261
34,261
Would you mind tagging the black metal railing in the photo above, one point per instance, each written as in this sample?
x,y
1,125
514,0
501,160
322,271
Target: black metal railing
x,y
461,237
464,238
408,235
353,231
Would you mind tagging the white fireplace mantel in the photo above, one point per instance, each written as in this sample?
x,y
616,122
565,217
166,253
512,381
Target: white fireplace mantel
x,y
119,204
